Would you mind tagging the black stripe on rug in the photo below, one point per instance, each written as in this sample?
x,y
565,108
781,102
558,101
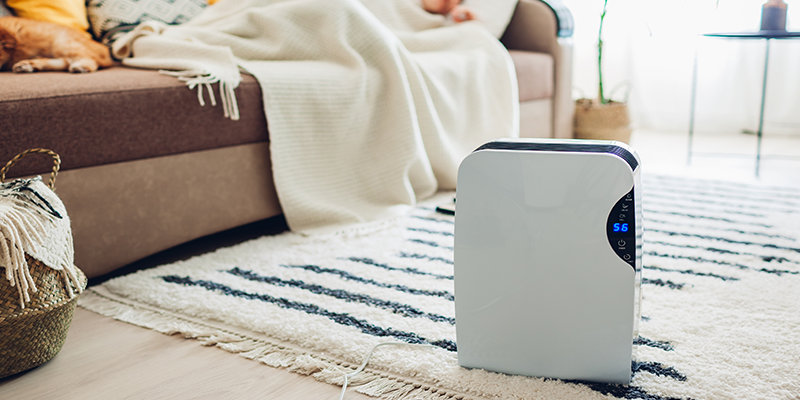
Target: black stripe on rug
x,y
657,369
700,216
642,341
677,200
691,272
769,259
350,297
634,392
778,272
442,233
350,277
771,203
444,221
662,283
716,228
726,240
339,318
432,244
716,209
413,271
425,257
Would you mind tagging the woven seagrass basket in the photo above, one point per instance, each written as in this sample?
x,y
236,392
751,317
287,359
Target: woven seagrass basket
x,y
602,121
33,334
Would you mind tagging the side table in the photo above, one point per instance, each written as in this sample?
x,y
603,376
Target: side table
x,y
766,35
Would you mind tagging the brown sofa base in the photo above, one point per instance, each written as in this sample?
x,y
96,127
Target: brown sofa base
x,y
190,195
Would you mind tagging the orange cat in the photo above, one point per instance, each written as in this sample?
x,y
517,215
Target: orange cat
x,y
28,45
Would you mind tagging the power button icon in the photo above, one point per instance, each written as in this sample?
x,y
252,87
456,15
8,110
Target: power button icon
x,y
621,243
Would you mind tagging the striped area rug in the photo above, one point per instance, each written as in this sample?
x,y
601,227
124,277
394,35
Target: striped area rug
x,y
721,302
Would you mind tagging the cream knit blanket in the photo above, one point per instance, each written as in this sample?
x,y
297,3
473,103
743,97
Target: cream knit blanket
x,y
34,221
371,104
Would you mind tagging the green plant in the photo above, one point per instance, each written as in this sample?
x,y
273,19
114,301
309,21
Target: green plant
x,y
600,94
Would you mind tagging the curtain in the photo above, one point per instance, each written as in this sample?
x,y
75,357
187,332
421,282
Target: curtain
x,y
649,51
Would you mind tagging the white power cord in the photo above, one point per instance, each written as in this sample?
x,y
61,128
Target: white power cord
x,y
364,364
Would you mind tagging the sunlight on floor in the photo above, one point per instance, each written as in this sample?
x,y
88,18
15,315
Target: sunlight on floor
x,y
729,157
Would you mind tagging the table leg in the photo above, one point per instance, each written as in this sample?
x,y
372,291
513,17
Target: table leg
x,y
761,115
692,110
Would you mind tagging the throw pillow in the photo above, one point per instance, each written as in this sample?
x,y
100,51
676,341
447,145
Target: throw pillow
x,y
111,19
71,13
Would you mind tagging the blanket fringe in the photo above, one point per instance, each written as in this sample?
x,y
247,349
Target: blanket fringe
x,y
370,383
200,79
22,227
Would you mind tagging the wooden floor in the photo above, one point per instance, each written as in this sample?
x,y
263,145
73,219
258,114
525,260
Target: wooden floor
x,y
107,359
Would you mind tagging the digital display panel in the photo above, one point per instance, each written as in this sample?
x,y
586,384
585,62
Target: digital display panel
x,y
621,228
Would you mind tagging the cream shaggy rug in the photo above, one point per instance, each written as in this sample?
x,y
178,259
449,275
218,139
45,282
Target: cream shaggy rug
x,y
721,304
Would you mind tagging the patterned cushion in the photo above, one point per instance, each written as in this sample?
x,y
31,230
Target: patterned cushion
x,y
110,19
4,11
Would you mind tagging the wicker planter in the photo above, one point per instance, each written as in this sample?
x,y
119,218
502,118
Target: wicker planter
x,y
33,335
602,121
37,300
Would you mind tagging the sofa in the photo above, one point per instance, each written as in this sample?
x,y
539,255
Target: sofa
x,y
144,168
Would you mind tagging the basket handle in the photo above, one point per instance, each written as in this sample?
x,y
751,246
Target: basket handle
x,y
56,159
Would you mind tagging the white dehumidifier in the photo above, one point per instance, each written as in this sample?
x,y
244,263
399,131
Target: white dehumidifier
x,y
548,239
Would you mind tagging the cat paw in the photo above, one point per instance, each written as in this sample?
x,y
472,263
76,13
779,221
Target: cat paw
x,y
76,68
23,67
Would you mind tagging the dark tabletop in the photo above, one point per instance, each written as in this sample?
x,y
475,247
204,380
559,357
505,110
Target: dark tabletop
x,y
757,35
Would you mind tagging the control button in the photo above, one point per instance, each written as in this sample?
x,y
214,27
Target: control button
x,y
624,206
621,243
622,216
626,257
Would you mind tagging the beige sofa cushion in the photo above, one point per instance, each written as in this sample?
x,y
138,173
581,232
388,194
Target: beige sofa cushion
x,y
534,74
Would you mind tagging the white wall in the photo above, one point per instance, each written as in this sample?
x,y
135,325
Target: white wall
x,y
652,44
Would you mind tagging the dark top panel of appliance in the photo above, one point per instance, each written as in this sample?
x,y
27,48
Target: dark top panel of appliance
x,y
618,151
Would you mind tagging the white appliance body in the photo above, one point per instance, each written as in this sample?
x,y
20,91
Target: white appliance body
x,y
548,238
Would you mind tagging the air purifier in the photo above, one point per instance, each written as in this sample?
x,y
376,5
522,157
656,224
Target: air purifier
x,y
548,239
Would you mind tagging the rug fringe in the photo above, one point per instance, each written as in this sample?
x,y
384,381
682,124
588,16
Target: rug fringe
x,y
278,359
391,389
372,384
386,389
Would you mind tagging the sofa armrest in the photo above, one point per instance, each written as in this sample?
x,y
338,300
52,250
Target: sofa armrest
x,y
546,27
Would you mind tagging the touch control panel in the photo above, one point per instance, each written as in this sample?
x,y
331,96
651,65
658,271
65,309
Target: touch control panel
x,y
621,229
